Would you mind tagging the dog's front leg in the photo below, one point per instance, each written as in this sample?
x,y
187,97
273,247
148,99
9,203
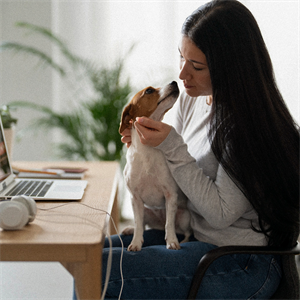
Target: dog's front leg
x,y
171,209
138,211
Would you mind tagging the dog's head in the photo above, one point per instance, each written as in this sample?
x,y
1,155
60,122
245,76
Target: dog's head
x,y
149,102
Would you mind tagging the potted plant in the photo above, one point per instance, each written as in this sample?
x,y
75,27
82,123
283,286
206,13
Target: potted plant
x,y
8,123
89,128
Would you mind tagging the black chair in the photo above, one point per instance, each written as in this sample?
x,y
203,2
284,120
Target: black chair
x,y
289,285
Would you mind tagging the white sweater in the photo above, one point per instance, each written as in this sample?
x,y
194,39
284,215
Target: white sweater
x,y
221,214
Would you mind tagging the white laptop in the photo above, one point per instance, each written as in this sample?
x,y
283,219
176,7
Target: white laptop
x,y
38,189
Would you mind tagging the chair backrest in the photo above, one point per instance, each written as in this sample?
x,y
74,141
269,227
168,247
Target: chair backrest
x,y
289,284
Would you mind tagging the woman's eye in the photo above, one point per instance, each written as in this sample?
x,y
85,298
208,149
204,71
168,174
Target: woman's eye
x,y
197,69
149,91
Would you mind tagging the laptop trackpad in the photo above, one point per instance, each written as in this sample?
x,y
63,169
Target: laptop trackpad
x,y
66,188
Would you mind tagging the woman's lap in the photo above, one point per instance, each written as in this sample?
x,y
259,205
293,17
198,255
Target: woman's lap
x,y
159,273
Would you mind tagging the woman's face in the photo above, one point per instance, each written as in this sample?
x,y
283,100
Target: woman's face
x,y
194,71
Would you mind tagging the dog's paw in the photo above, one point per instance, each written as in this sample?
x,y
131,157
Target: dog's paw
x,y
134,247
128,230
173,245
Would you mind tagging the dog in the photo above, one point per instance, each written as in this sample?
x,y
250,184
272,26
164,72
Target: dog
x,y
156,199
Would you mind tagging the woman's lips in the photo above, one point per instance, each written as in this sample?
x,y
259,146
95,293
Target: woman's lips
x,y
187,86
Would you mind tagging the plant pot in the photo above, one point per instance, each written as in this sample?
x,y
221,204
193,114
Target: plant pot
x,y
9,134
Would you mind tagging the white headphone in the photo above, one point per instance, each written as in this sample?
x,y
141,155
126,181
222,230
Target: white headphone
x,y
17,212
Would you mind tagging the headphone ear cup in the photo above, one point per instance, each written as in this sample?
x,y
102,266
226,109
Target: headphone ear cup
x,y
13,215
29,203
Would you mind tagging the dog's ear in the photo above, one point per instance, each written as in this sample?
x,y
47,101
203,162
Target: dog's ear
x,y
126,118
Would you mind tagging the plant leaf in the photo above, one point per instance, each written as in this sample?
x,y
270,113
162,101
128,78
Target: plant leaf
x,y
20,48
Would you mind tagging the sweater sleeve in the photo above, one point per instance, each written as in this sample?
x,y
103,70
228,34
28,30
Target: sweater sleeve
x,y
219,201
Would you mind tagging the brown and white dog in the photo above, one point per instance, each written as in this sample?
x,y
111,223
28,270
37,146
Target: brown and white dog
x,y
156,199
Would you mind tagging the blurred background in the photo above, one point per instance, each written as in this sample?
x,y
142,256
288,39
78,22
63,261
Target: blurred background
x,y
107,51
104,32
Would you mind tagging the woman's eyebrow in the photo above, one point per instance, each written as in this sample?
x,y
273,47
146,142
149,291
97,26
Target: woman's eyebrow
x,y
194,61
197,62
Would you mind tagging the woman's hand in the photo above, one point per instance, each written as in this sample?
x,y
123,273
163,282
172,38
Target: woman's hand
x,y
151,133
126,137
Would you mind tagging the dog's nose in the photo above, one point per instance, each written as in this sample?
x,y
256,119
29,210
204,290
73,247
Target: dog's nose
x,y
173,83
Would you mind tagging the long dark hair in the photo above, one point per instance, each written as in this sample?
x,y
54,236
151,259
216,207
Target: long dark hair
x,y
252,133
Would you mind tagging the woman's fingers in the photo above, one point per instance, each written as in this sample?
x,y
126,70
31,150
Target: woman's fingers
x,y
151,133
126,137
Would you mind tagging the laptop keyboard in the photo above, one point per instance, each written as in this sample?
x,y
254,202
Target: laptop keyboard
x,y
31,188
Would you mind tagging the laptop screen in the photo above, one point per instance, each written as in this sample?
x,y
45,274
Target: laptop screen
x,y
5,169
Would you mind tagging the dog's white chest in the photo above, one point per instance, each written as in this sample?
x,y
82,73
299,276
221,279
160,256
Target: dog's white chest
x,y
147,174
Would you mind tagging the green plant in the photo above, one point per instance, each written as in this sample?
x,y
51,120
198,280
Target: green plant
x,y
90,127
6,117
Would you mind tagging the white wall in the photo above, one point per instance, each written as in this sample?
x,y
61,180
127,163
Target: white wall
x,y
279,23
20,78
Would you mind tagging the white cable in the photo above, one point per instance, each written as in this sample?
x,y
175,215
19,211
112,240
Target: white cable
x,y
108,268
121,259
109,259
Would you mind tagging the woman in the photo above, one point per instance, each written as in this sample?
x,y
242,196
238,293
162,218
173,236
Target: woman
x,y
234,151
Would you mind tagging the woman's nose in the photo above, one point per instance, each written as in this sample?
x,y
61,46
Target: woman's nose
x,y
184,74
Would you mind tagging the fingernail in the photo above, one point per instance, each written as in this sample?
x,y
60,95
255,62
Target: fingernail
x,y
140,120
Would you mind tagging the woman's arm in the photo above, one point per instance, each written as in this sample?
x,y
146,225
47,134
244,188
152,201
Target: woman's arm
x,y
219,201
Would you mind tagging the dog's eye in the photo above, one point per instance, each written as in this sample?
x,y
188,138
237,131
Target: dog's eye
x,y
149,91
